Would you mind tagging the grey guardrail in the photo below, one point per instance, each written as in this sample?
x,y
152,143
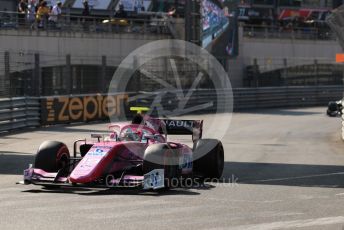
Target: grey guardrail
x,y
342,126
255,98
17,113
285,96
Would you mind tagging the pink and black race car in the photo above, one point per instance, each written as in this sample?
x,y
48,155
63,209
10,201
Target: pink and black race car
x,y
130,155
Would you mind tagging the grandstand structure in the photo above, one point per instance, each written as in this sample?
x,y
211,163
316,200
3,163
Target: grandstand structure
x,y
270,11
288,43
82,54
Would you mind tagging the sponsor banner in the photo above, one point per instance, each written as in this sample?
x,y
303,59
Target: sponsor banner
x,y
67,109
93,4
133,5
181,127
53,2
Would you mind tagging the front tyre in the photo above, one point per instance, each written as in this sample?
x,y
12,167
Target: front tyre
x,y
52,156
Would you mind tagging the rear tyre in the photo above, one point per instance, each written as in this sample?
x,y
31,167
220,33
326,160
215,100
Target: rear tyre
x,y
331,113
211,162
333,109
52,156
161,156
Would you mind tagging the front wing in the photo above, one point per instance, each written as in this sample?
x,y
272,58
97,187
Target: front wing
x,y
152,180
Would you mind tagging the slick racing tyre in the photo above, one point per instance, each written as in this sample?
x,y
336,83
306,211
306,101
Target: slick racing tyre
x,y
52,156
333,109
162,156
331,113
211,164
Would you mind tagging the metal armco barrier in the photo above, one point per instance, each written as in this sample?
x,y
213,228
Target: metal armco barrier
x,y
286,96
255,98
17,113
342,126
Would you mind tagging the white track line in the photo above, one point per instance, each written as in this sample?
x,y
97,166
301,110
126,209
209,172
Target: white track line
x,y
300,177
293,224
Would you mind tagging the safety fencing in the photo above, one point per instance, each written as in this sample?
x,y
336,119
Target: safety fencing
x,y
315,32
17,113
144,23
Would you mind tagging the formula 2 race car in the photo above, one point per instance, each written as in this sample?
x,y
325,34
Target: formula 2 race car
x,y
334,108
130,155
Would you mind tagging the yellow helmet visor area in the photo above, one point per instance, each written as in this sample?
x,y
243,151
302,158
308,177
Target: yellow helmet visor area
x,y
139,110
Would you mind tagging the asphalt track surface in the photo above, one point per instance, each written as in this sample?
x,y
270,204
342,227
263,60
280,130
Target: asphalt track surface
x,y
286,167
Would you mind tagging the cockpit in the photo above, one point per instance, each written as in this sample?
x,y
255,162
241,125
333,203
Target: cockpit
x,y
139,133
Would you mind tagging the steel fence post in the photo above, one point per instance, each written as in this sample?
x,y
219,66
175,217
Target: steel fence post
x,y
102,86
68,75
5,81
37,76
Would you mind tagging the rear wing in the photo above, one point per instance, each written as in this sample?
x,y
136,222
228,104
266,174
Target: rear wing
x,y
172,127
182,127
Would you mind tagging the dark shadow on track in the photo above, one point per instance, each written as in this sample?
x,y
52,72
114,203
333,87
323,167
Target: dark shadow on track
x,y
103,128
59,128
13,163
285,174
190,189
282,112
241,172
119,191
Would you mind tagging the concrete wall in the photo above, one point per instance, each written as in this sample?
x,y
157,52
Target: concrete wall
x,y
274,54
87,48
83,48
9,5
